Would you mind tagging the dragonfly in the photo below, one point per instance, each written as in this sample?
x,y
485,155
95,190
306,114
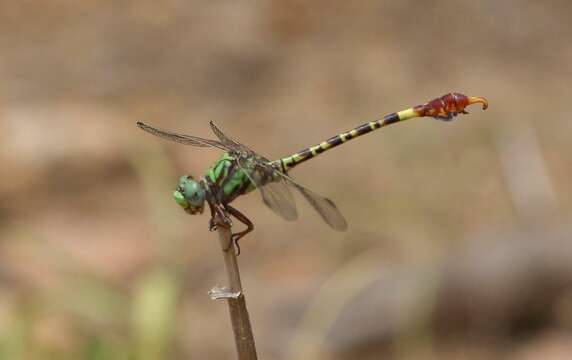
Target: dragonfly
x,y
240,170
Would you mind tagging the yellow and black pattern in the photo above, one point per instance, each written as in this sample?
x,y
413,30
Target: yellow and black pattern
x,y
289,162
445,108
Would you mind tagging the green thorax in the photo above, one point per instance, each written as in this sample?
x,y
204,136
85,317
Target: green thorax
x,y
230,180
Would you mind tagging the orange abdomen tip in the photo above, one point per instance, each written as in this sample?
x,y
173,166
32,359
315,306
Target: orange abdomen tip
x,y
478,100
449,105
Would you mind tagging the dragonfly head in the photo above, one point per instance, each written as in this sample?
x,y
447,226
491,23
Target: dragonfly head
x,y
190,195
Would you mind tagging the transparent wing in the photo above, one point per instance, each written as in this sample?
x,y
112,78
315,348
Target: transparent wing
x,y
278,197
181,138
233,144
324,206
275,194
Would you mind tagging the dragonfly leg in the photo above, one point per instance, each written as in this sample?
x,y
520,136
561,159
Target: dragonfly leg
x,y
212,224
217,209
243,219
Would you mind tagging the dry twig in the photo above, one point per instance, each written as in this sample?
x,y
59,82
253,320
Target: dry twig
x,y
241,328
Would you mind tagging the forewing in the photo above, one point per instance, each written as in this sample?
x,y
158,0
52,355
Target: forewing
x,y
276,195
324,206
233,144
181,138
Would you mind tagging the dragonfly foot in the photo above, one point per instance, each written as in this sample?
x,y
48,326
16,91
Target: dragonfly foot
x,y
234,240
215,222
212,225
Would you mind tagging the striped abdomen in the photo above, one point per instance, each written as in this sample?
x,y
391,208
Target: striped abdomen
x,y
444,108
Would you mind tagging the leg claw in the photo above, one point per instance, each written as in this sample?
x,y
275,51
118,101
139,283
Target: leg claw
x,y
212,225
234,240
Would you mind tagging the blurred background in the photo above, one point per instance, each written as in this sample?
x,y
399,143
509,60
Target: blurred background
x,y
459,245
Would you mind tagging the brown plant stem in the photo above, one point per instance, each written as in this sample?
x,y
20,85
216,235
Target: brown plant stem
x,y
240,320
